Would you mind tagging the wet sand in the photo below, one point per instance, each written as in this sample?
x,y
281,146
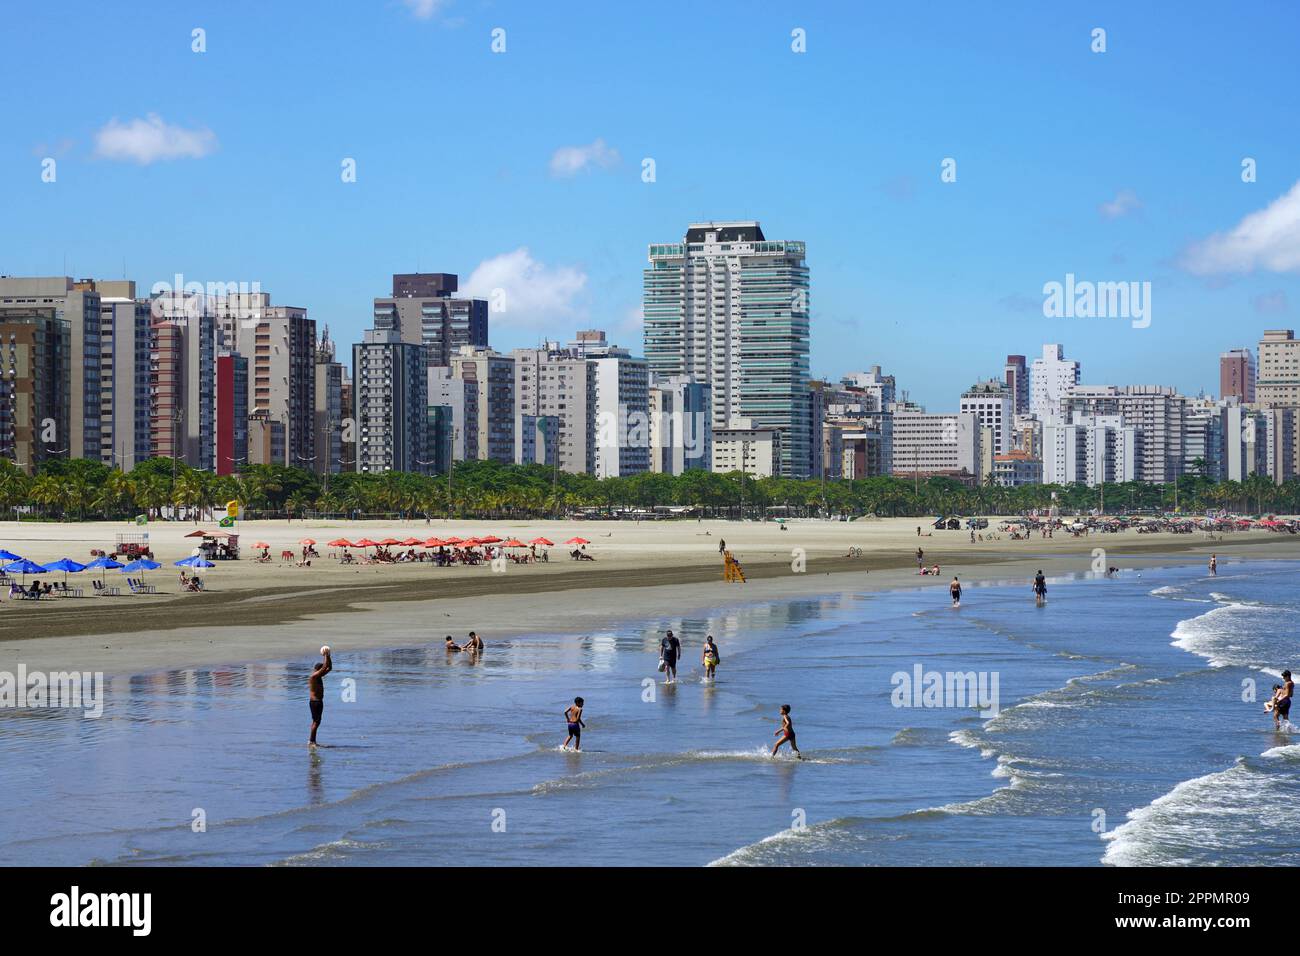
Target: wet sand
x,y
270,611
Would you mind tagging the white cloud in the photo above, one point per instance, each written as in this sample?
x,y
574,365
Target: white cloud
x,y
150,140
571,160
525,292
1267,240
1125,202
424,9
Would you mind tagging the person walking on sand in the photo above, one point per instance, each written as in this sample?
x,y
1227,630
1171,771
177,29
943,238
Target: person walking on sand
x,y
573,717
710,658
1040,588
722,545
669,650
954,589
1214,565
316,691
786,733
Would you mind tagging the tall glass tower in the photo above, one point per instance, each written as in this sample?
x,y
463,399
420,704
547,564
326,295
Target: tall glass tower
x,y
729,308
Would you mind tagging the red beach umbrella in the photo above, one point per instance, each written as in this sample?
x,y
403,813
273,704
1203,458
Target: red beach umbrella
x,y
366,543
490,539
389,542
453,540
514,543
434,543
412,542
546,541
577,541
308,541
337,543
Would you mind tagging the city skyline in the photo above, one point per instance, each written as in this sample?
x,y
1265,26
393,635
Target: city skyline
x,y
248,187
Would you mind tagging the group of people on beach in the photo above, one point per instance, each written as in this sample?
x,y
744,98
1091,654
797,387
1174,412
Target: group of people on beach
x,y
670,651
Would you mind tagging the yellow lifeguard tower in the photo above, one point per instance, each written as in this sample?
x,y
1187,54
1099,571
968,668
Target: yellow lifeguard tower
x,y
731,570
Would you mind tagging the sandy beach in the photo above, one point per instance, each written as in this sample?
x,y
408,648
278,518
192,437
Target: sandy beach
x,y
251,611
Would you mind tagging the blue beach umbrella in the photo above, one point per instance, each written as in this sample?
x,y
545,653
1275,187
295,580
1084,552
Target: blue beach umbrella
x,y
23,567
193,562
138,566
104,562
66,565
9,556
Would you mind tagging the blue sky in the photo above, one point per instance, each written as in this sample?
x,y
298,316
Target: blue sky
x,y
524,167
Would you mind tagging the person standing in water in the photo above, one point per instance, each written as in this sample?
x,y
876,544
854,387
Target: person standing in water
x,y
786,733
316,691
1282,702
1040,588
954,589
710,658
669,650
573,717
1214,565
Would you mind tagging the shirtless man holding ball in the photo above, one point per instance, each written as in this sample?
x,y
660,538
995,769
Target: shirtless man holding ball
x,y
316,690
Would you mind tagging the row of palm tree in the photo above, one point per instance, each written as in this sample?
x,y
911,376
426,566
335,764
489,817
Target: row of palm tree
x,y
78,489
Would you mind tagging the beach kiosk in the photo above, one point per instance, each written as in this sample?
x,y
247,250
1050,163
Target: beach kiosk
x,y
217,545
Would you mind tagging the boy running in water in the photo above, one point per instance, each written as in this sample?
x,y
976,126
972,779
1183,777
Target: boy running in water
x,y
573,715
786,733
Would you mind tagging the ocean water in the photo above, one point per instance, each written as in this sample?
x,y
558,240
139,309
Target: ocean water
x,y
1125,734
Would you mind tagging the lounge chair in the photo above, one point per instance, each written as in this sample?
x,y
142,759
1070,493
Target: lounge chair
x,y
103,590
139,587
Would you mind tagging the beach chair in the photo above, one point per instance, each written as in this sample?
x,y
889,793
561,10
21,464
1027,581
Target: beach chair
x,y
103,590
139,587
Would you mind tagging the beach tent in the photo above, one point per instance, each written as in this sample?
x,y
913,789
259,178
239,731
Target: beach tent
x,y
66,565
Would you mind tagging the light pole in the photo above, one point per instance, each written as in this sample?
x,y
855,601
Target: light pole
x,y
744,456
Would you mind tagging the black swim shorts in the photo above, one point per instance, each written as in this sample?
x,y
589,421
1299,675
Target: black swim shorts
x,y
317,708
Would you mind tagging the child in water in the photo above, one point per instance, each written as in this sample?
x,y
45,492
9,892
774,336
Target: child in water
x,y
786,733
573,715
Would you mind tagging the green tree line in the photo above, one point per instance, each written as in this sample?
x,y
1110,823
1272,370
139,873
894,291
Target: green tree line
x,y
76,489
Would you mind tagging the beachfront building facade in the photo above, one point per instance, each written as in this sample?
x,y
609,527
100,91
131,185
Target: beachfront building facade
x,y
991,402
1237,375
451,400
35,369
390,389
230,413
730,308
747,447
125,430
1277,385
927,444
331,418
1051,378
1157,411
681,425
280,345
1016,468
557,383
1091,449
77,304
1015,375
490,412
428,312
622,389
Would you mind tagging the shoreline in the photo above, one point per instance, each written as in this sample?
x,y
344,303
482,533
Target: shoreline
x,y
535,606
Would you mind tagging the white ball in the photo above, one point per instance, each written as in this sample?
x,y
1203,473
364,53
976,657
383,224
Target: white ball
x,y
325,649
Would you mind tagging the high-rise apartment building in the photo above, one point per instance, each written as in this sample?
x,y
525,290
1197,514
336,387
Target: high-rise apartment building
x,y
428,312
490,415
230,413
78,304
391,388
1015,374
938,444
1052,376
681,425
727,307
125,424
1157,411
1237,375
280,345
992,403
560,384
35,371
331,417
1277,386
